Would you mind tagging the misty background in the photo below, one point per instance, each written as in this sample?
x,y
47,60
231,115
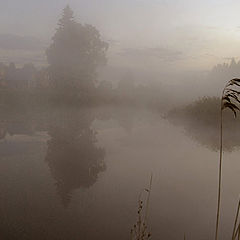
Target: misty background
x,y
95,96
173,43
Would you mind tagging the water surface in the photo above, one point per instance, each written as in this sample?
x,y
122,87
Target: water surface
x,y
77,173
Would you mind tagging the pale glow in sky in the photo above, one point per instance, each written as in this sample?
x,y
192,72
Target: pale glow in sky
x,y
197,34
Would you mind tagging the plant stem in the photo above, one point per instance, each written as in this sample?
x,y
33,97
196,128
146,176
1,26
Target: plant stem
x,y
236,219
220,173
148,197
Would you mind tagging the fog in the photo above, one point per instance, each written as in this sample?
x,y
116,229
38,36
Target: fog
x,y
119,119
171,42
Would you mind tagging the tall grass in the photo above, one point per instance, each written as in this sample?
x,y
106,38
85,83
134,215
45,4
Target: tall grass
x,y
230,97
140,229
236,221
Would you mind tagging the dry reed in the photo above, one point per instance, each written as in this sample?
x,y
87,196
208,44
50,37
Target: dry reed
x,y
140,228
230,97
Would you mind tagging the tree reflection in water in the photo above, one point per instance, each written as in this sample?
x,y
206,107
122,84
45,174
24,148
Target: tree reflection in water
x,y
73,156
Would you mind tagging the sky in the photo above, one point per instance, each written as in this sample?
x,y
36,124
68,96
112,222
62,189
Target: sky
x,y
164,34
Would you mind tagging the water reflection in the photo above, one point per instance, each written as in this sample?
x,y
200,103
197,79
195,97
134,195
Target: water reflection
x,y
204,129
73,156
3,130
43,172
22,126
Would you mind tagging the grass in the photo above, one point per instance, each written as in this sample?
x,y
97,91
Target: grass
x,y
235,223
230,97
229,100
140,228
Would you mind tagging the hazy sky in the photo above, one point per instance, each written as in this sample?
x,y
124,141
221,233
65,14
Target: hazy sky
x,y
184,34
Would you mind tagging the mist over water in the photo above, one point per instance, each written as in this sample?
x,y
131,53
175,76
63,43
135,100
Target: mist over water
x,y
75,171
97,100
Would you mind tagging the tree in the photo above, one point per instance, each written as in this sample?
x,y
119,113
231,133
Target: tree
x,y
73,157
75,54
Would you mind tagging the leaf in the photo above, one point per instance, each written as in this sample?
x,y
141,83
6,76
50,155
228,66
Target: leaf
x,y
232,107
226,98
236,84
234,96
236,79
232,90
229,84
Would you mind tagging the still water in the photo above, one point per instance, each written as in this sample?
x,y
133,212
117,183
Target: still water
x,y
76,174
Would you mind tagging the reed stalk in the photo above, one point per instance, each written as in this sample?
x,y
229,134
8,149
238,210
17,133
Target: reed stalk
x,y
230,97
140,228
236,220
219,174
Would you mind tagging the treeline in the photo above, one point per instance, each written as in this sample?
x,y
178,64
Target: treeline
x,y
29,87
201,121
226,71
74,56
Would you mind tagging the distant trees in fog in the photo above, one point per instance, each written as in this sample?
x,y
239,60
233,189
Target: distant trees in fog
x,y
18,78
226,71
75,54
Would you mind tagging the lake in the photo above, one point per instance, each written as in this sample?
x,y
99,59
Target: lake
x,y
77,174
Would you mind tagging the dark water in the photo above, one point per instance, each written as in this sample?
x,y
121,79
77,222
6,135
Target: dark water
x,y
76,174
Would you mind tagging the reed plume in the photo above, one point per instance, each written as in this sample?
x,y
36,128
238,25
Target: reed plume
x,y
230,99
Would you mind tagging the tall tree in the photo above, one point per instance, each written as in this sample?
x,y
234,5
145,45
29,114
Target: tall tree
x,y
74,55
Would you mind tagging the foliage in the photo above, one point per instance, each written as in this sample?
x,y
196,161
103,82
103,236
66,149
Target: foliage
x,y
229,97
140,229
76,52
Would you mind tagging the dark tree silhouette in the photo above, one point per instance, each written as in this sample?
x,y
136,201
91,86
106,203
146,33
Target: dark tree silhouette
x,y
75,54
74,159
